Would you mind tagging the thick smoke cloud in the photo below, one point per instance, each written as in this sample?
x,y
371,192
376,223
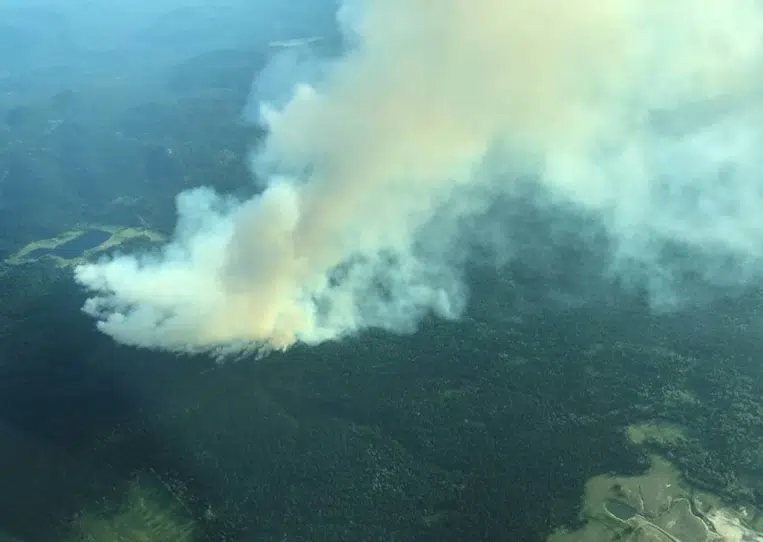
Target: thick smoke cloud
x,y
644,114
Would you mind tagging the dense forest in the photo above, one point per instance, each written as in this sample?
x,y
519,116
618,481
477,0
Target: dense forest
x,y
486,428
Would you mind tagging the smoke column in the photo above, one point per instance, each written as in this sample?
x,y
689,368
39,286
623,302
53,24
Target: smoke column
x,y
644,113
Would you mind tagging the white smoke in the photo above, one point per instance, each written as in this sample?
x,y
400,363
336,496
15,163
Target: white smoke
x,y
645,113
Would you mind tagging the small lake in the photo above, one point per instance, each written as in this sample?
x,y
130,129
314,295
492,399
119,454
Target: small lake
x,y
74,248
620,509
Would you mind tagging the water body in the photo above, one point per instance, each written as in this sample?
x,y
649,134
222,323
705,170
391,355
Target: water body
x,y
74,248
619,509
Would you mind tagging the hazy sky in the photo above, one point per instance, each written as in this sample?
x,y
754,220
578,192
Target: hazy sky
x,y
43,31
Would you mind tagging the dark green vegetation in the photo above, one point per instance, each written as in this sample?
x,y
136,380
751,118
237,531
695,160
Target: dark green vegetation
x,y
110,149
56,172
481,430
485,429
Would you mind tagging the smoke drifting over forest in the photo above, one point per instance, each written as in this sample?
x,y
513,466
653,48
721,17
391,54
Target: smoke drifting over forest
x,y
644,114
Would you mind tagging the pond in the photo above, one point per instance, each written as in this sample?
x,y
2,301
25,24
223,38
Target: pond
x,y
74,248
620,509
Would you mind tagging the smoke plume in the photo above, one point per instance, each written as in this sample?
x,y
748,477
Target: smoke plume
x,y
645,114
